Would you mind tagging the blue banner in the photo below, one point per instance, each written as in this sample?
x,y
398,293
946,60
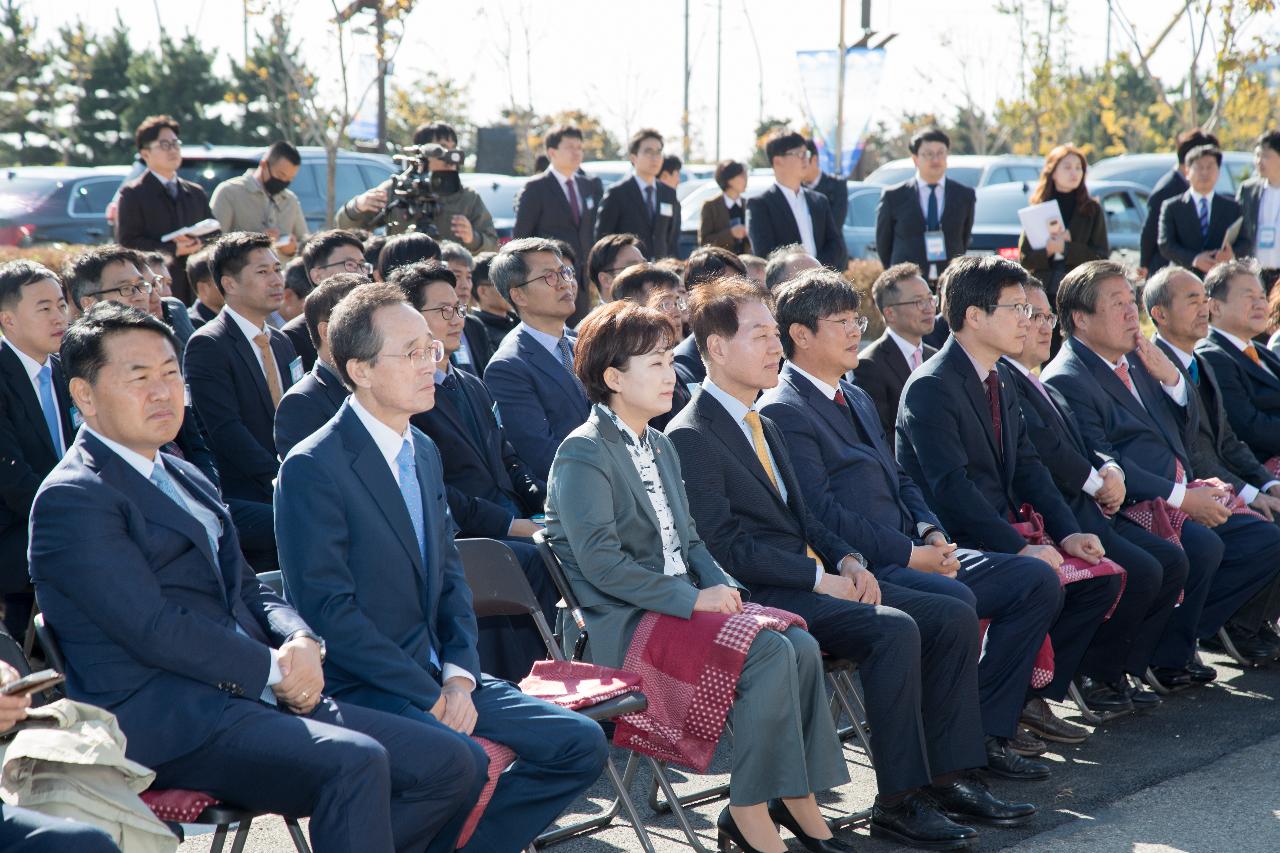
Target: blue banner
x,y
819,81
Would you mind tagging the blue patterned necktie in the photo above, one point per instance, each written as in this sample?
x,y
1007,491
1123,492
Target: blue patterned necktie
x,y
164,483
49,407
1204,219
931,218
1194,370
412,494
566,358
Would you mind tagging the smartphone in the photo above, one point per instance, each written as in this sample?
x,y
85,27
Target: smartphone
x,y
33,683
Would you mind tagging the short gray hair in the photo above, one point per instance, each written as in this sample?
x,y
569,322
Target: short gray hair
x,y
775,269
509,270
1079,290
352,333
1158,291
1217,282
456,252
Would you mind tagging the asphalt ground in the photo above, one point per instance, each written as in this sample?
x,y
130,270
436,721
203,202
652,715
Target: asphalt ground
x,y
1200,773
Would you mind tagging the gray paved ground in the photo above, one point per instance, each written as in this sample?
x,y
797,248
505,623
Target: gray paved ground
x,y
1201,774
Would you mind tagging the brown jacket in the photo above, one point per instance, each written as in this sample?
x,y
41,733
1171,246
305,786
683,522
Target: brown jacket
x,y
714,227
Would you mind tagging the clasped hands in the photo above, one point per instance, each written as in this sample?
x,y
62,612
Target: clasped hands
x,y
301,675
1085,546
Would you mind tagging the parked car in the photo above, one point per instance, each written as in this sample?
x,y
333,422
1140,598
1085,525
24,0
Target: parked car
x,y
996,227
1146,169
972,170
210,165
57,204
499,194
612,171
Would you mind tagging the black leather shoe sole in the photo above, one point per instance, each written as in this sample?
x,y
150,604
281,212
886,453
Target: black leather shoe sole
x,y
1045,733
961,817
878,831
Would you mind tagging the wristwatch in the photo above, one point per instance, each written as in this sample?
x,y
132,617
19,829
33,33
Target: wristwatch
x,y
308,634
861,560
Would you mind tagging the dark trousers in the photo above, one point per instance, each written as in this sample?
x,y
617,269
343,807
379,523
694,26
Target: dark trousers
x,y
368,779
1021,596
255,525
1084,605
1155,572
559,754
17,613
917,656
25,831
509,645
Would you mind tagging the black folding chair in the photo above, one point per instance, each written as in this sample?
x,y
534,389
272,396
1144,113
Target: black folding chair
x,y
499,588
220,816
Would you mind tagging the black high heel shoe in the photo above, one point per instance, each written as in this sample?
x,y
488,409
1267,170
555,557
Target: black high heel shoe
x,y
779,812
727,831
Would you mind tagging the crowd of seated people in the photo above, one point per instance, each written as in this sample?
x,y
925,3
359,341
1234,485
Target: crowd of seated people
x,y
984,528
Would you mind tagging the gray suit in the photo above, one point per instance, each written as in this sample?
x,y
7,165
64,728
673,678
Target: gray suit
x,y
602,526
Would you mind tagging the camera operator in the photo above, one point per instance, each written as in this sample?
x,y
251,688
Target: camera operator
x,y
460,213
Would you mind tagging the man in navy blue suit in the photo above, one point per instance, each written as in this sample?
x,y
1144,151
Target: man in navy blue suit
x,y
540,400
789,212
366,547
215,680
1194,226
310,404
962,439
850,478
1130,403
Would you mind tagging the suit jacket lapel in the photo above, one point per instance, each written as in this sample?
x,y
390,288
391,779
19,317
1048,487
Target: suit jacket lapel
x,y
371,467
913,207
895,360
961,369
230,580
730,434
284,355
1257,372
782,215
16,375
251,356
1152,397
870,421
450,412
544,361
617,444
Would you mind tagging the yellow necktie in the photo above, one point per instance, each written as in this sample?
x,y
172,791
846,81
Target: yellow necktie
x,y
762,453
1253,355
269,367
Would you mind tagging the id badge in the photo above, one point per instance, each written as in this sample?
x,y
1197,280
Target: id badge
x,y
591,203
295,370
1267,237
935,246
665,209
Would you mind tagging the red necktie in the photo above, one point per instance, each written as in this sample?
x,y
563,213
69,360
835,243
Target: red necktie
x,y
1122,370
573,200
840,401
993,400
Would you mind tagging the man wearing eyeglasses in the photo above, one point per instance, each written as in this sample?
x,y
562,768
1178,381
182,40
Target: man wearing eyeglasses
x,y
158,202
539,398
640,204
325,255
907,305
789,212
963,440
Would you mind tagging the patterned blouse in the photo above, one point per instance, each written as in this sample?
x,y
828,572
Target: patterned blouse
x,y
642,456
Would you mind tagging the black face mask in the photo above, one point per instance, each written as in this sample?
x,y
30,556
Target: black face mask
x,y
446,182
275,186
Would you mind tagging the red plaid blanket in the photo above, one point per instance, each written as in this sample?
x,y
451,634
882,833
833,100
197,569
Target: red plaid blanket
x,y
1163,519
688,670
1273,465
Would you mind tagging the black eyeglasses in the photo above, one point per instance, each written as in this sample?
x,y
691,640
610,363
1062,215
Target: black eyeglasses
x,y
125,290
924,303
564,274
448,312
349,265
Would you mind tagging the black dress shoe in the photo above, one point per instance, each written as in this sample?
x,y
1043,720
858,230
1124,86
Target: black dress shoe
x,y
1007,764
969,799
779,812
727,831
918,821
1171,678
1142,698
1105,697
1201,673
1252,645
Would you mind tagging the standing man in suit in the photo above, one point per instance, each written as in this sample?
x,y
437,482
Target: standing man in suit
x,y
1249,374
927,219
1171,185
836,190
208,298
366,544
1259,198
789,212
640,204
539,398
215,681
310,403
1193,226
36,424
917,651
158,202
857,489
561,204
1155,569
909,308
1132,404
1178,305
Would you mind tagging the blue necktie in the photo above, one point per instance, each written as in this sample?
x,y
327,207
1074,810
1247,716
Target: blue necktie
x,y
1204,219
412,494
1194,369
648,201
566,358
164,483
931,218
50,408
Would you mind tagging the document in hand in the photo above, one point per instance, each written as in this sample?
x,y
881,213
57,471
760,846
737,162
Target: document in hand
x,y
1040,222
200,229
1233,232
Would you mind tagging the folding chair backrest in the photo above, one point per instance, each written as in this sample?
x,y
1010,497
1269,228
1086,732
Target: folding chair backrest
x,y
49,643
498,585
11,653
556,571
275,580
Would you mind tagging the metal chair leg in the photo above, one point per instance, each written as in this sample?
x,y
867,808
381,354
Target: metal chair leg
x,y
850,821
1232,651
846,696
693,798
674,803
219,838
298,836
242,836
1091,717
622,802
1156,684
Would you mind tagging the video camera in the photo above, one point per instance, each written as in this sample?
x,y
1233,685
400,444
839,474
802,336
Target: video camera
x,y
414,198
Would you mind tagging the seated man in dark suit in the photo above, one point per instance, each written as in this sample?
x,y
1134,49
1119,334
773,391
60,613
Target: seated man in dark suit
x,y
1177,303
325,255
36,424
1250,374
366,547
928,219
788,212
1193,226
216,682
857,489
917,651
1131,403
640,204
1171,185
540,401
1155,569
308,405
962,439
208,298
474,349
908,307
493,312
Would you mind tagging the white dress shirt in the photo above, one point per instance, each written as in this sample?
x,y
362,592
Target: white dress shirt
x,y
922,189
1269,217
564,187
33,369
1178,393
1196,197
804,221
250,332
389,442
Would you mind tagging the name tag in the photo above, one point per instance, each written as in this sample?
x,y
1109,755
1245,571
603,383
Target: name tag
x,y
591,203
1267,237
295,370
497,416
665,209
186,395
935,246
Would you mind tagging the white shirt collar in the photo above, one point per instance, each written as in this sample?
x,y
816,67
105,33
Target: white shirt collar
x,y
732,404
730,203
908,349
249,330
561,178
387,440
1236,342
137,461
643,185
1185,357
794,195
165,181
828,390
32,366
1195,195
